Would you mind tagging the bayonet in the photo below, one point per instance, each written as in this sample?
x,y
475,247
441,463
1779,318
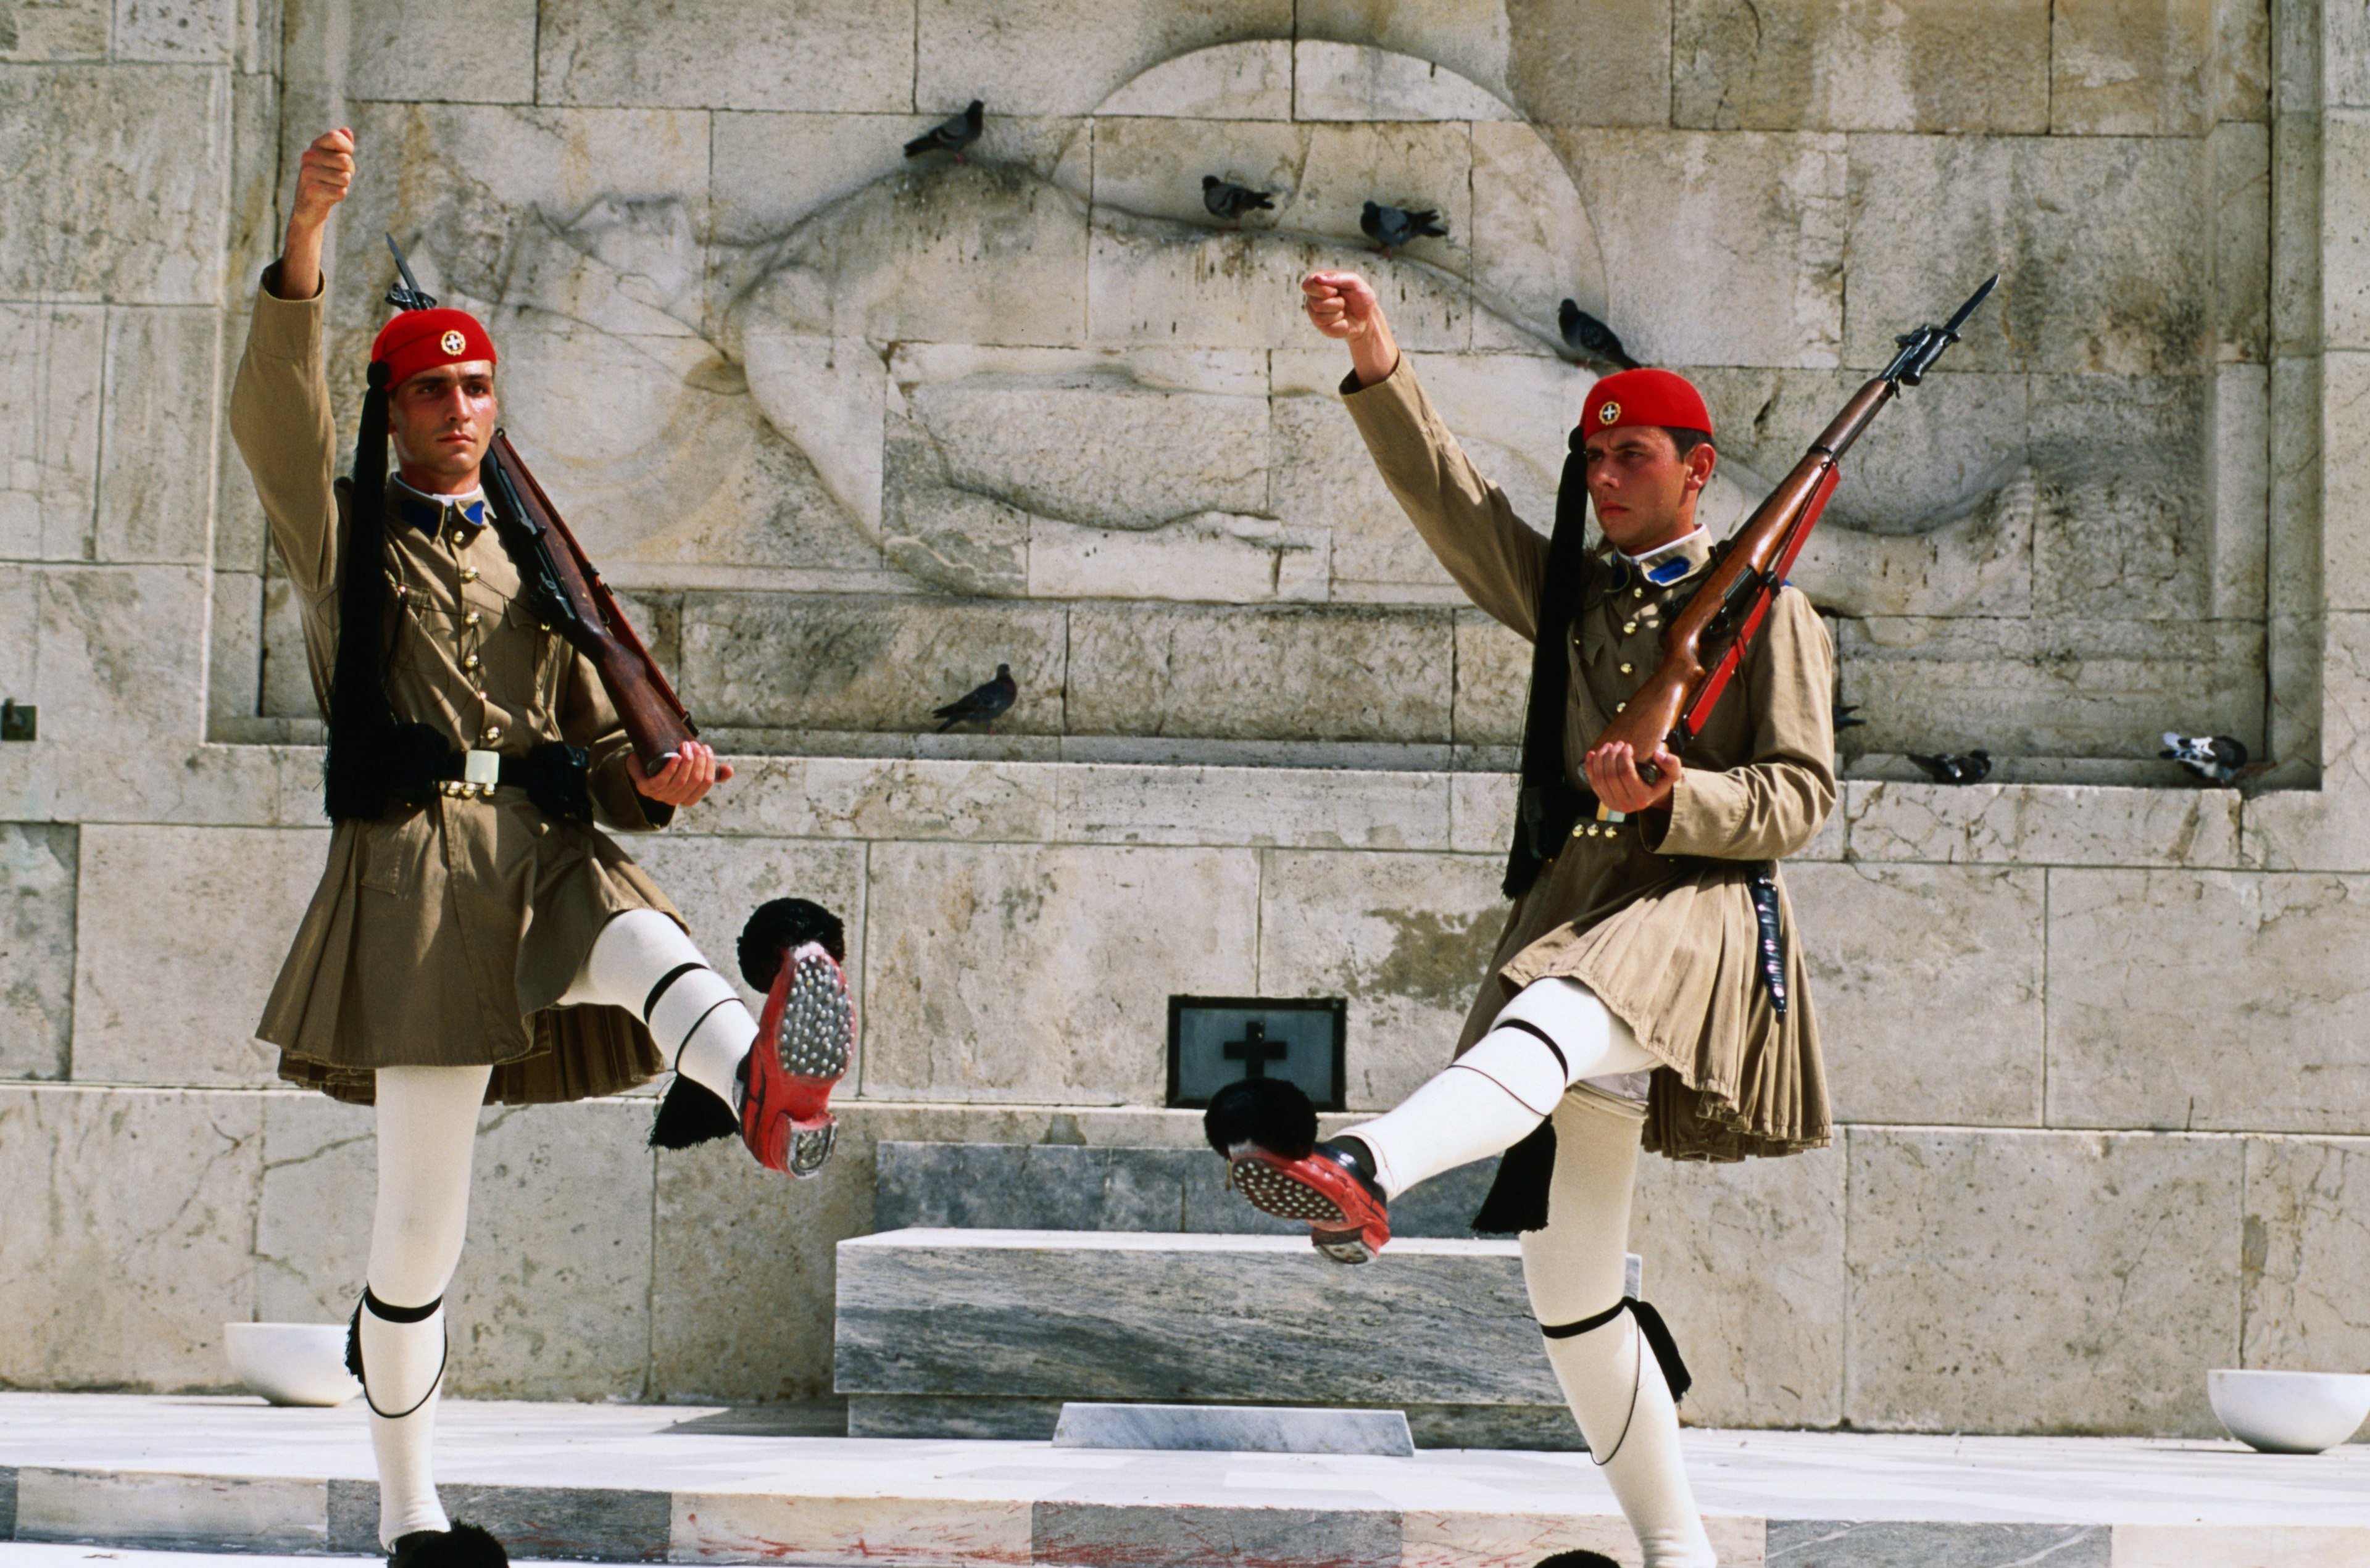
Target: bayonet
x,y
1920,349
407,294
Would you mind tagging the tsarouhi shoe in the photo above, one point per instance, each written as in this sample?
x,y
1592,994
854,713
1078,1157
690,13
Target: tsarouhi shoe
x,y
463,1546
1267,1129
1582,1558
804,1037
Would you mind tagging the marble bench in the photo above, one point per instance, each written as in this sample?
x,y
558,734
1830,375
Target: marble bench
x,y
984,1333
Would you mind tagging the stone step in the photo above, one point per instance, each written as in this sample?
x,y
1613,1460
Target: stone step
x,y
659,1483
986,1332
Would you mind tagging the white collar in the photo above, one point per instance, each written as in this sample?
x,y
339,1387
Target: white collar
x,y
1675,562
458,498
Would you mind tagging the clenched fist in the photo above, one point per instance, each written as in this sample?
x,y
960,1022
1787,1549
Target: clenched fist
x,y
1343,305
323,177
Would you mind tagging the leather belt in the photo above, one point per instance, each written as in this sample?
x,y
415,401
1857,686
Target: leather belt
x,y
555,776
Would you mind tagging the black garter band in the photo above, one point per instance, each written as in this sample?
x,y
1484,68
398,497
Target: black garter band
x,y
650,1002
387,1314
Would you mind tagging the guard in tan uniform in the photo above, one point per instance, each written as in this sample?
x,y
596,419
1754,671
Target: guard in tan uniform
x,y
475,938
1647,989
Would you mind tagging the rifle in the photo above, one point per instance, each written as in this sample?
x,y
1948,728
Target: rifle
x,y
564,585
1703,644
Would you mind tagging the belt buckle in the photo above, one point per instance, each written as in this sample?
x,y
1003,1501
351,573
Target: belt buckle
x,y
482,769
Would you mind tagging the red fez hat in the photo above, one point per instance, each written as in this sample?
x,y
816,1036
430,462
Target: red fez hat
x,y
1645,397
418,340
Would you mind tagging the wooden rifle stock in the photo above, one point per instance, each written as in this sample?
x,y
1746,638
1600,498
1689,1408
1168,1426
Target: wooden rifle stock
x,y
587,614
1703,644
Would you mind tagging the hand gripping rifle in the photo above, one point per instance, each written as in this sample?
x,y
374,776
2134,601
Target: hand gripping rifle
x,y
1704,643
563,583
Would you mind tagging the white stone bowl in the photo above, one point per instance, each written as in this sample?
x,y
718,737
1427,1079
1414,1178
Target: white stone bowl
x,y
2289,1413
291,1362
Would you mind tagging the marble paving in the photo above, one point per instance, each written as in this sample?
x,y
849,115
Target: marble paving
x,y
688,1483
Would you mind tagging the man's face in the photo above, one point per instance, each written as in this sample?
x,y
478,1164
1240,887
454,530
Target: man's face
x,y
442,421
1643,490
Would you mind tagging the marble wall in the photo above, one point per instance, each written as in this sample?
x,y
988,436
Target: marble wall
x,y
851,432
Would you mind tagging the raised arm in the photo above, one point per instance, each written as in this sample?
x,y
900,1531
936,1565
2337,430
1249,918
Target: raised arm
x,y
1497,559
279,404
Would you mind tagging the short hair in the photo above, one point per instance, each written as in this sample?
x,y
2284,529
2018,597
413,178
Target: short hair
x,y
1686,440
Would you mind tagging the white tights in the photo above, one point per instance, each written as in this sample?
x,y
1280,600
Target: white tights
x,y
1496,1094
1493,1097
427,1124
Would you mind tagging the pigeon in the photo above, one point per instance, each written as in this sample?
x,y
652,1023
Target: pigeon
x,y
951,136
2216,759
1591,338
1846,715
1227,200
1391,228
980,704
1974,767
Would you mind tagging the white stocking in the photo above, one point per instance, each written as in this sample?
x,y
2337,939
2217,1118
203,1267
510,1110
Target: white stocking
x,y
643,963
427,1124
1497,1093
1609,1376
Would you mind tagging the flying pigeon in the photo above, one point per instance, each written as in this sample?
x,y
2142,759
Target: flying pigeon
x,y
1974,767
1391,228
980,704
1227,200
1586,335
2216,759
949,136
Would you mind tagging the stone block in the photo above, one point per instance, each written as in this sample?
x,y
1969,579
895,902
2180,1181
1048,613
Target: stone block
x,y
2095,237
2062,689
61,30
2293,536
1531,238
1980,68
1406,937
1089,943
175,31
2138,547
1234,1429
2295,234
318,1185
850,1531
845,661
2039,1282
157,435
201,1513
1910,965
1197,1318
1494,682
1329,808
385,63
2344,550
2165,988
2029,825
1065,57
2306,1250
139,1246
480,189
1847,1543
1067,1532
727,1234
118,194
1482,812
37,947
1230,82
2328,830
808,56
2134,71
167,990
2242,234
1747,1262
234,652
767,171
1555,72
1664,203
1334,672
1352,83
551,1297
1145,166
863,798
49,429
2242,489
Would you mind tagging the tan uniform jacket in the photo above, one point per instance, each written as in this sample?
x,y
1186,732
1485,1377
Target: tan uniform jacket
x,y
1662,928
441,935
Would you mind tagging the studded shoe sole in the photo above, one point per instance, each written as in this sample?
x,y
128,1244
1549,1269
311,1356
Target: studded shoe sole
x,y
1345,1222
804,1039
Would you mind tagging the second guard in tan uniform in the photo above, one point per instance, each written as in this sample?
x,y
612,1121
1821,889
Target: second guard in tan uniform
x,y
1648,991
